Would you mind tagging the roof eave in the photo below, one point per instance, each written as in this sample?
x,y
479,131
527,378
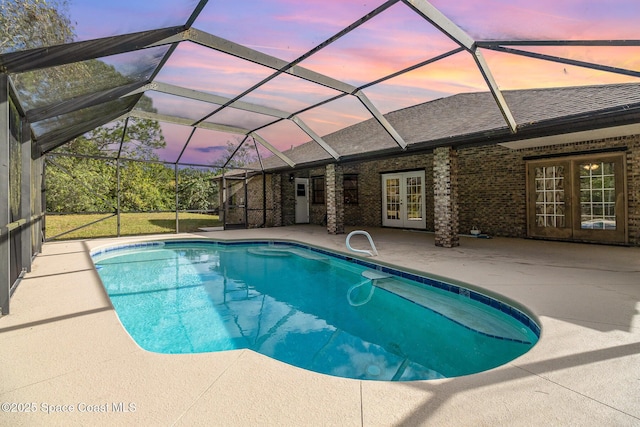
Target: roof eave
x,y
611,117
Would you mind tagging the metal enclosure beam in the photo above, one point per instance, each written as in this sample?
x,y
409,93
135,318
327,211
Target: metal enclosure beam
x,y
440,21
75,104
54,139
196,12
490,44
273,149
381,119
317,138
210,98
187,122
211,126
5,270
567,61
186,144
25,199
52,56
413,67
176,177
495,91
242,52
458,35
118,195
40,201
226,163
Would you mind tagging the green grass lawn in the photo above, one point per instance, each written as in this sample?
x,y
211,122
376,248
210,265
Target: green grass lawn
x,y
131,224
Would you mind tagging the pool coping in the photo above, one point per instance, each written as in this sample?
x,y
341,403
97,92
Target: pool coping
x,y
470,291
66,346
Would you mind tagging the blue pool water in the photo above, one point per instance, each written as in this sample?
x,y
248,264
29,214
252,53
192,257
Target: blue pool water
x,y
306,307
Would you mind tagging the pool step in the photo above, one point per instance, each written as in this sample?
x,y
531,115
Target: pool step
x,y
307,254
375,274
286,251
268,252
460,310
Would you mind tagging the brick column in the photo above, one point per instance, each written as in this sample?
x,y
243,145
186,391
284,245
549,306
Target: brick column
x,y
276,189
445,195
335,199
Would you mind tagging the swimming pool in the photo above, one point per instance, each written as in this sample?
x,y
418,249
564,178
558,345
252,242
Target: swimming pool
x,y
308,307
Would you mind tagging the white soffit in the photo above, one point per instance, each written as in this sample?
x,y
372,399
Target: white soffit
x,y
567,138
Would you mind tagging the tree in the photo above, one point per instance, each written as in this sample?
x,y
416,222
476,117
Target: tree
x,y
81,184
140,141
144,185
75,184
197,190
245,155
29,24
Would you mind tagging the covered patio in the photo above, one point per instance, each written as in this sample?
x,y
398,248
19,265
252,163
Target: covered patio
x,y
284,89
68,350
279,93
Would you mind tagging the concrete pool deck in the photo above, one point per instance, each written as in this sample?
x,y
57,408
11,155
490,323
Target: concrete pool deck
x,y
63,347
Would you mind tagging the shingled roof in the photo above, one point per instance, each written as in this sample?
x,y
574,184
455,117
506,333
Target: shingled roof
x,y
474,118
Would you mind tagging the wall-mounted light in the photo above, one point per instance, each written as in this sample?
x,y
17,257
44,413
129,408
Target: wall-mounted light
x,y
291,177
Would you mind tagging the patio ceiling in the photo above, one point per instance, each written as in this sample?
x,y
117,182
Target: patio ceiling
x,y
276,74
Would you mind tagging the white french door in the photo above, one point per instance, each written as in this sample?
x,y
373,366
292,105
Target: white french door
x,y
403,200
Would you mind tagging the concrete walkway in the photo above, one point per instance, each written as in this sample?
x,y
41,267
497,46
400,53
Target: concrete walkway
x,y
63,349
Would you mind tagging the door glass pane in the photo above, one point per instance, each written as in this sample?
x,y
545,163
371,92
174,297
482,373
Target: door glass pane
x,y
301,190
549,196
597,196
414,198
393,198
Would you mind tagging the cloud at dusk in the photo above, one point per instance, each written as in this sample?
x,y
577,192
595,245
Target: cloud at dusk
x,y
96,18
335,115
544,19
515,72
282,28
392,41
289,93
200,68
284,135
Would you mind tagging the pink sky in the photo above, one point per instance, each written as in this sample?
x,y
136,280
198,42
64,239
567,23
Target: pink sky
x,y
391,41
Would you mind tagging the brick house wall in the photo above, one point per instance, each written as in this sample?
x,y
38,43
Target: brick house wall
x,y
492,191
256,197
491,187
317,211
287,196
255,201
633,188
288,199
368,211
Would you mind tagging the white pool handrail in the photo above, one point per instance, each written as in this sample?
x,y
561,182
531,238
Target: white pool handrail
x,y
373,252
